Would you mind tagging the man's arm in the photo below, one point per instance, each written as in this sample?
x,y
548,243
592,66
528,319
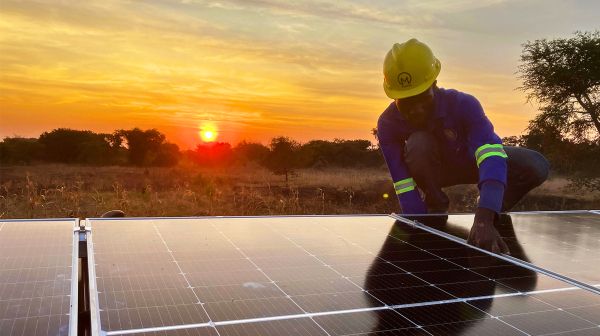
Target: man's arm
x,y
488,153
393,153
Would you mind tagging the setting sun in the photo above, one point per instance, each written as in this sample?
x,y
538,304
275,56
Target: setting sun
x,y
208,136
208,133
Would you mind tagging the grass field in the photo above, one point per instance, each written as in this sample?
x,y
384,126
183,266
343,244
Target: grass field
x,y
45,191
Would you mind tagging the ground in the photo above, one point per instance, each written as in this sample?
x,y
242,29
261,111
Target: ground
x,y
43,191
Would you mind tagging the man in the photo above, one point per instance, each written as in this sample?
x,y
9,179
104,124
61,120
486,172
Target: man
x,y
433,138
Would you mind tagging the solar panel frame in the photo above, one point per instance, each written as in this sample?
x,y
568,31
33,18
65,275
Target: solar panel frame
x,y
93,286
218,324
534,212
73,299
74,313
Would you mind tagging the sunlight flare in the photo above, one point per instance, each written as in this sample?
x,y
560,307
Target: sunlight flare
x,y
208,132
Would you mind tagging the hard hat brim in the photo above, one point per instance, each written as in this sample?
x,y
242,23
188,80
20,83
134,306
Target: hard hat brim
x,y
399,94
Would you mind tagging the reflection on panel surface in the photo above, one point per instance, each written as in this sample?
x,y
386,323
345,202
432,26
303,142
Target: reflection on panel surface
x,y
35,276
565,243
336,275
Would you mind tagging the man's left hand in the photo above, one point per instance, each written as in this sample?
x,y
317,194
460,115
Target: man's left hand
x,y
483,233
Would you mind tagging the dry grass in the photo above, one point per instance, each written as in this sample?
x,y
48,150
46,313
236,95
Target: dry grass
x,y
66,191
73,191
344,178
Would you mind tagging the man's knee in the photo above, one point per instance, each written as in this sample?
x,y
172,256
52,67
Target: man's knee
x,y
531,165
420,150
542,169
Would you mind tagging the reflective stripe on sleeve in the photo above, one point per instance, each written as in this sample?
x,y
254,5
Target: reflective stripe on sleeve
x,y
405,185
487,150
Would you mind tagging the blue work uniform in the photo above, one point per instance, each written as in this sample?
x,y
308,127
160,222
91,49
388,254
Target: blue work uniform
x,y
465,137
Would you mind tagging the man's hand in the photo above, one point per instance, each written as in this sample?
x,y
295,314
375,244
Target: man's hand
x,y
483,233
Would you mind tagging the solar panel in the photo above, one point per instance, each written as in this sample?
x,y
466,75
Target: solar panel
x,y
313,275
38,277
563,242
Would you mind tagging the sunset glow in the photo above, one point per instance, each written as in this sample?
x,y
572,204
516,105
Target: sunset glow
x,y
260,69
208,132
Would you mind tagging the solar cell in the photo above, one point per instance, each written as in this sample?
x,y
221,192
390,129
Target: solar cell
x,y
38,279
563,242
329,275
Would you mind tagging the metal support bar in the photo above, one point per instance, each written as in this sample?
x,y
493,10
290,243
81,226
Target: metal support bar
x,y
92,286
84,294
74,303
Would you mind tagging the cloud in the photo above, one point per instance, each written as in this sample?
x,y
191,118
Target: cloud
x,y
261,64
331,10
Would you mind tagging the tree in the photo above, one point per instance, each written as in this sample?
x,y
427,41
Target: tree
x,y
563,75
282,158
75,146
19,150
513,140
167,155
250,151
143,146
357,153
339,153
316,153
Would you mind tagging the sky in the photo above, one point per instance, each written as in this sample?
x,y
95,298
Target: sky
x,y
255,69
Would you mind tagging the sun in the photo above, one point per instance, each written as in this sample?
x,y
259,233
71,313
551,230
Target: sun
x,y
208,133
208,136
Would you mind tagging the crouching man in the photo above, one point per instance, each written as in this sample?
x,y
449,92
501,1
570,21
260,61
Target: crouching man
x,y
433,138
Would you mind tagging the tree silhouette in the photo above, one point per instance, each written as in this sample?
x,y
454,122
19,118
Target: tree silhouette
x,y
250,151
282,158
563,75
339,153
74,146
167,155
17,150
142,145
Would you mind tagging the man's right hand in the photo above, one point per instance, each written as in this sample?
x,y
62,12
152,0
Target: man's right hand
x,y
483,233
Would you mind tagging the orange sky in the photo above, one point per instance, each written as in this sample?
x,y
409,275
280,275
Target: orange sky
x,y
255,69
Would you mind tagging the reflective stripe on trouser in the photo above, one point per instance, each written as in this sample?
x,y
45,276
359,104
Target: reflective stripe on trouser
x,y
405,185
487,150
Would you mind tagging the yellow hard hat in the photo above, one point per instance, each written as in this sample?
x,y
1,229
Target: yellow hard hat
x,y
409,69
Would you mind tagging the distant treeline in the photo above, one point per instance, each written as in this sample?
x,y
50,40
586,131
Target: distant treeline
x,y
135,147
150,148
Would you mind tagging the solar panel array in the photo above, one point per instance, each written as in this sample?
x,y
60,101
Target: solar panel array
x,y
563,242
37,277
317,275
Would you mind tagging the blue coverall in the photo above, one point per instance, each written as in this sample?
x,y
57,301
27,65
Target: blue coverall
x,y
457,146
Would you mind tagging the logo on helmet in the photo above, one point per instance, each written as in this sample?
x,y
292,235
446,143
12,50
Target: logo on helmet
x,y
404,78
